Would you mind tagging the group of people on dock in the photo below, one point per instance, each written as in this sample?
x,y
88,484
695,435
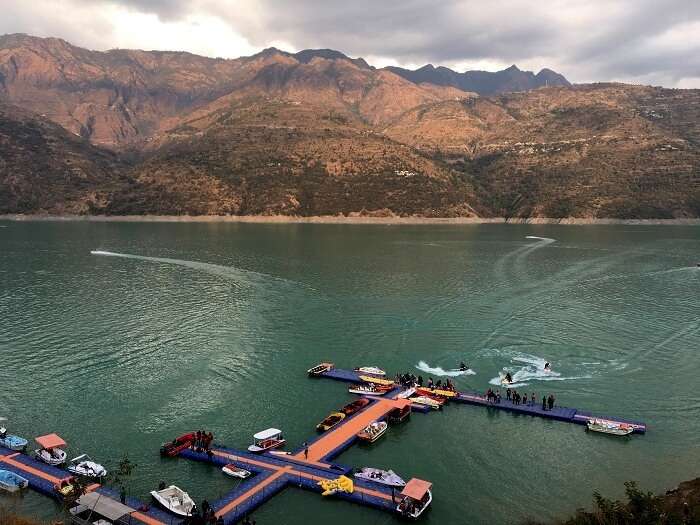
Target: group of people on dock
x,y
409,380
202,441
516,398
206,517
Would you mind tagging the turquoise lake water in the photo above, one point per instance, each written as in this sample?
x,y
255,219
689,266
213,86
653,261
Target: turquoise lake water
x,y
214,325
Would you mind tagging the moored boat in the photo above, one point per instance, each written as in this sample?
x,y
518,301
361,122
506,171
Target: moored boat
x,y
355,406
609,427
383,477
331,421
373,431
436,392
175,500
83,465
177,445
369,390
11,441
11,482
51,452
235,472
427,401
267,440
372,370
319,369
415,498
407,393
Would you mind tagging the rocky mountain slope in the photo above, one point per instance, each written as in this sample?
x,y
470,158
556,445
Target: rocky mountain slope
x,y
316,132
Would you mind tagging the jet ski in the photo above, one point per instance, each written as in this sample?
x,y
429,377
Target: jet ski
x,y
463,367
507,379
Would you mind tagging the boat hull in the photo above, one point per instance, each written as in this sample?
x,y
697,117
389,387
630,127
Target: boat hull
x,y
11,482
15,443
166,504
235,472
58,459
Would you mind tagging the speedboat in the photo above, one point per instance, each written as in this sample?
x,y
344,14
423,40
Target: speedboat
x,y
267,440
11,482
355,406
331,421
11,441
51,452
415,498
174,500
427,401
373,370
177,445
373,431
235,472
369,389
384,477
407,393
83,465
609,427
319,369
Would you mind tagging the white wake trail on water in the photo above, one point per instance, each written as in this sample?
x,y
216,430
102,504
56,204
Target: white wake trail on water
x,y
441,372
526,368
214,269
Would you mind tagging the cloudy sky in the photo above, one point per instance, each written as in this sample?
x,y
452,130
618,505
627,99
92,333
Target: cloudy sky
x,y
642,41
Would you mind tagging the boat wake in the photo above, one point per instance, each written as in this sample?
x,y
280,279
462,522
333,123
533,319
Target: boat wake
x,y
441,372
526,368
545,240
213,269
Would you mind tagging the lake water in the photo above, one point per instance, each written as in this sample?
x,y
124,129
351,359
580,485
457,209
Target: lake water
x,y
214,325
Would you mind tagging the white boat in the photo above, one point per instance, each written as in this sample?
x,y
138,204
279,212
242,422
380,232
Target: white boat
x,y
367,390
426,401
415,498
319,369
384,477
407,393
609,427
235,472
266,440
83,465
51,452
373,431
174,500
372,370
11,482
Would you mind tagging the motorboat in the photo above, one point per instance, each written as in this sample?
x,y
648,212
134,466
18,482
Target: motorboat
x,y
319,369
369,390
415,498
235,472
609,427
376,380
175,500
331,421
373,431
50,451
436,392
83,465
411,391
177,445
372,370
11,482
11,441
355,406
267,440
427,401
383,477
400,414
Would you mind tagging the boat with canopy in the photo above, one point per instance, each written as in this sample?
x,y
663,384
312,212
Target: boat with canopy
x,y
267,440
415,498
50,451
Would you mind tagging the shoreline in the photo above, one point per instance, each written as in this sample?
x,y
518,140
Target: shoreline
x,y
332,219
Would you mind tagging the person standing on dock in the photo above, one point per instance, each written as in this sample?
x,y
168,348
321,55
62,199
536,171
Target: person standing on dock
x,y
550,401
544,403
306,450
533,399
508,394
498,397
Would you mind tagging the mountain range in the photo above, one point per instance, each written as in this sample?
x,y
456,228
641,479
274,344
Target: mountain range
x,y
319,133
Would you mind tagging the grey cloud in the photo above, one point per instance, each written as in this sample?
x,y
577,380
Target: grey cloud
x,y
587,40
